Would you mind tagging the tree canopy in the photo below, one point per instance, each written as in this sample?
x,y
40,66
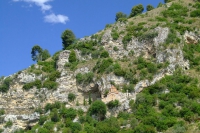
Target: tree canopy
x,y
138,9
120,15
68,38
98,108
149,7
38,54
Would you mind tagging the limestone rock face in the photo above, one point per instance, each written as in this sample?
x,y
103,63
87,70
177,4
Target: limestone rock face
x,y
25,77
62,59
191,38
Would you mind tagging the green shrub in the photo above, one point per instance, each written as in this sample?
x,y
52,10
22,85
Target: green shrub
x,y
71,96
102,66
5,85
138,9
75,126
148,36
175,10
54,115
54,75
104,54
48,66
98,108
119,16
119,72
129,88
37,83
195,13
161,19
68,113
42,119
50,84
9,124
42,130
115,48
115,34
72,56
126,39
113,104
2,112
84,78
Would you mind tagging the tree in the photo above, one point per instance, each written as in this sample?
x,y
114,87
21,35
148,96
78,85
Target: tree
x,y
136,10
120,15
38,54
149,7
68,38
98,108
36,51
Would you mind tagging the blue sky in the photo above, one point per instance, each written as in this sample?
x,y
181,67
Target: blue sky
x,y
25,23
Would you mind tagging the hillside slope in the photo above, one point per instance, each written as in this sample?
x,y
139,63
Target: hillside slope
x,y
145,69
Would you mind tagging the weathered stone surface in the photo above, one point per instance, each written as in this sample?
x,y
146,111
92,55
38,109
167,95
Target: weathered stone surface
x,y
25,77
190,38
62,59
142,84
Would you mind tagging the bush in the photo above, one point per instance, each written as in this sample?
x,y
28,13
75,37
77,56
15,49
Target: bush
x,y
71,96
175,10
68,113
42,119
138,9
120,15
72,56
54,115
113,104
9,124
54,75
102,66
126,39
5,85
98,108
119,72
148,36
149,7
115,34
2,112
48,66
84,78
104,54
51,85
115,48
37,83
195,13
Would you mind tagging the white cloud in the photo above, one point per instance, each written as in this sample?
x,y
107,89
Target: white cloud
x,y
41,3
52,18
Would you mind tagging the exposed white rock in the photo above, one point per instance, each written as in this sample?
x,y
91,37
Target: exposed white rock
x,y
25,77
191,38
62,59
142,84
